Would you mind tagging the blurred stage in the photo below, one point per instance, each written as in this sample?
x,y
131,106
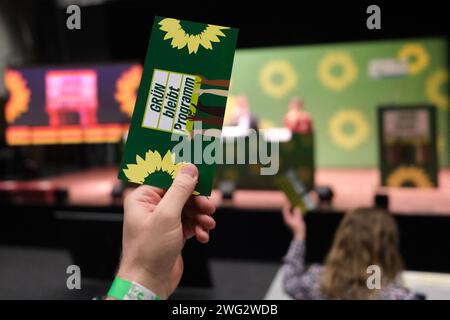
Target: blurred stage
x,y
352,188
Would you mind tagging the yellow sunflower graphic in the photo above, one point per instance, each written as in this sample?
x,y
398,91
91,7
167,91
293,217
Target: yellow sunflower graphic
x,y
341,60
434,85
126,89
418,54
409,176
180,38
19,95
349,117
275,68
152,162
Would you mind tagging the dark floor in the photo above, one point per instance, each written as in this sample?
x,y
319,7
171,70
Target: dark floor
x,y
28,273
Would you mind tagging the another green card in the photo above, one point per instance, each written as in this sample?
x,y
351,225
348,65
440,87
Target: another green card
x,y
295,190
186,79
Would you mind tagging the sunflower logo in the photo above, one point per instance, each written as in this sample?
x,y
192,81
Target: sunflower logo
x,y
151,163
19,95
342,61
353,119
278,68
126,88
434,86
180,38
417,57
407,176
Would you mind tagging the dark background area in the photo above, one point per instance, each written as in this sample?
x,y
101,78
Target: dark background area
x,y
119,30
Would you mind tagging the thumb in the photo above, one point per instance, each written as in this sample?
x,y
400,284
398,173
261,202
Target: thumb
x,y
179,192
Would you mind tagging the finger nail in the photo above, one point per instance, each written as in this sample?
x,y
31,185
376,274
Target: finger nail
x,y
190,170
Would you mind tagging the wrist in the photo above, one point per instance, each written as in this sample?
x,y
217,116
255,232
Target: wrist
x,y
145,279
122,289
299,235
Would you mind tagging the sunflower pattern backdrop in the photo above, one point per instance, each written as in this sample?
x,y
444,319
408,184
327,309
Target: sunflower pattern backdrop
x,y
342,86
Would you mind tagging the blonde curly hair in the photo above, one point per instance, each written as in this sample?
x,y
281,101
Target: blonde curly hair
x,y
364,237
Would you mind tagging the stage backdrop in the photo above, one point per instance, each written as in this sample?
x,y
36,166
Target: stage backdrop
x,y
342,85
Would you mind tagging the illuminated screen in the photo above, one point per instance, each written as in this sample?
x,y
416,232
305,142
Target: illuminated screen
x,y
63,105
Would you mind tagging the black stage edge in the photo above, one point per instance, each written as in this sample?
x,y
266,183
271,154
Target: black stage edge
x,y
93,236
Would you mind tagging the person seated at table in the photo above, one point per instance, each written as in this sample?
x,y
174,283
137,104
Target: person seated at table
x,y
242,116
365,237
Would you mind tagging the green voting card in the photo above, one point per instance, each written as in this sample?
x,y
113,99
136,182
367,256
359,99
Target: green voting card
x,y
184,87
295,190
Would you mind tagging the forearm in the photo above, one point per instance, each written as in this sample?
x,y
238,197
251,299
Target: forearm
x,y
294,269
294,260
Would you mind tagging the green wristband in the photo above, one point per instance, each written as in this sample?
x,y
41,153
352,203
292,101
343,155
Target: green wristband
x,y
122,289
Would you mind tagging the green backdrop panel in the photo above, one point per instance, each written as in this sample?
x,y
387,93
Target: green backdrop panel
x,y
341,93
